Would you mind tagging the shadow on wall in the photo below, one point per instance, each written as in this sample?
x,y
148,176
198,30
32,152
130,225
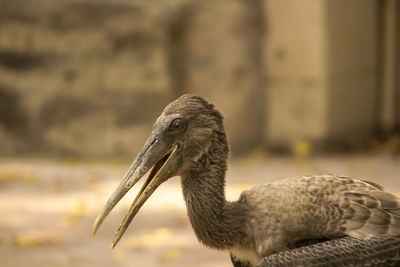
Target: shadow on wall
x,y
13,115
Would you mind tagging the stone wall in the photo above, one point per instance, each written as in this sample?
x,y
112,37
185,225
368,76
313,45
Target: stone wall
x,y
81,78
88,78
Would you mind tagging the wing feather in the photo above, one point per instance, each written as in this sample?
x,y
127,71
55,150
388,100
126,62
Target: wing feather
x,y
287,212
381,220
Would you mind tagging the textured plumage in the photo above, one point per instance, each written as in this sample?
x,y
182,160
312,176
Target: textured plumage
x,y
382,250
287,212
189,140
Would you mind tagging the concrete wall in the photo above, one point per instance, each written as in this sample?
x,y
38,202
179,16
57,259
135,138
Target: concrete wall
x,y
321,70
88,78
295,56
81,78
390,56
396,70
352,68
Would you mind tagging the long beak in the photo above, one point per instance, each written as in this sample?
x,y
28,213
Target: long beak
x,y
163,161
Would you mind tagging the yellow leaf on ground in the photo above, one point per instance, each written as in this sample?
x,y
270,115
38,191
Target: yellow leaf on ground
x,y
170,255
135,245
9,175
150,238
70,220
155,236
70,161
118,255
79,207
77,211
162,234
301,148
37,239
31,178
116,163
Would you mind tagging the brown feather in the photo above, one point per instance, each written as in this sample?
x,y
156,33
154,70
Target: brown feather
x,y
387,200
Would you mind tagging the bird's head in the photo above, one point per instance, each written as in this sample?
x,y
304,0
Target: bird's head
x,y
181,134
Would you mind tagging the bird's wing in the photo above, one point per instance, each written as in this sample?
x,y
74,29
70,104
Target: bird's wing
x,y
381,250
314,207
363,210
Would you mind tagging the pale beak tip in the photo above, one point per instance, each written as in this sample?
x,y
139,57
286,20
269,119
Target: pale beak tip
x,y
114,243
95,226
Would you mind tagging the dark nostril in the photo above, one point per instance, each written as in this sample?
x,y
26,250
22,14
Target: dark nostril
x,y
154,141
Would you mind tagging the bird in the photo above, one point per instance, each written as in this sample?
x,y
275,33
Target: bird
x,y
297,215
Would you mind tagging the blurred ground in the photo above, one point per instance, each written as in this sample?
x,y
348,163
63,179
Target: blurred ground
x,y
47,209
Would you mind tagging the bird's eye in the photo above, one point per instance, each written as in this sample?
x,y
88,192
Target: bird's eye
x,y
177,125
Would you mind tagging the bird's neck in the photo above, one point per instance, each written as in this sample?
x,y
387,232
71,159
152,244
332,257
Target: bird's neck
x,y
216,222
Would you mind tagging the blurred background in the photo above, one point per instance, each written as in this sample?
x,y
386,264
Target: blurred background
x,y
304,86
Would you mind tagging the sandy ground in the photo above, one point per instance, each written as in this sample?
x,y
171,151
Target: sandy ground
x,y
47,209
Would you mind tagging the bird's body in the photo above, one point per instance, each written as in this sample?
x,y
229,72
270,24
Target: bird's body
x,y
189,140
284,214
290,212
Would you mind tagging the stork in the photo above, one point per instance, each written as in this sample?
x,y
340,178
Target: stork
x,y
188,140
